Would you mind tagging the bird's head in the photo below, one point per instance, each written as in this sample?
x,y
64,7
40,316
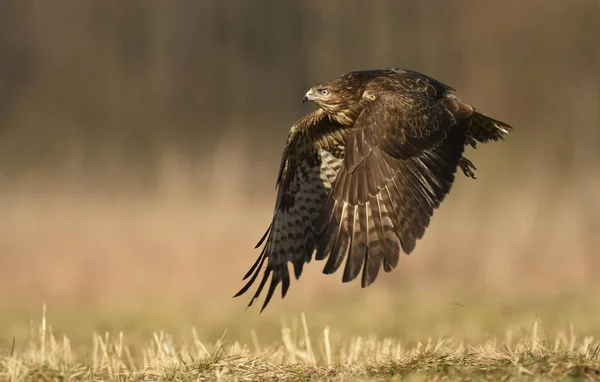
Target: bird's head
x,y
319,94
334,97
340,98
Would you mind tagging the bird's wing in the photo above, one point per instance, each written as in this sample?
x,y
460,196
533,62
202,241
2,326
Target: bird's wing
x,y
308,169
399,164
482,128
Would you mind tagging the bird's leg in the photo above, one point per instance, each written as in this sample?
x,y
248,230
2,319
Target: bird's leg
x,y
471,142
467,166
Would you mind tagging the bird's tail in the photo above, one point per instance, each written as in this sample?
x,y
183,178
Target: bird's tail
x,y
484,129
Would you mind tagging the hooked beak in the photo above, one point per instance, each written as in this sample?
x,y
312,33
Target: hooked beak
x,y
308,97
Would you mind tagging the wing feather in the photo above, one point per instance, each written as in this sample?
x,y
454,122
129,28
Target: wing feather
x,y
338,243
307,172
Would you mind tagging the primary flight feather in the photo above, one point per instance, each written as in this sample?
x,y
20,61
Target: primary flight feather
x,y
361,176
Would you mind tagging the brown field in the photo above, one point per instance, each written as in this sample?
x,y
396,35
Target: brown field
x,y
505,274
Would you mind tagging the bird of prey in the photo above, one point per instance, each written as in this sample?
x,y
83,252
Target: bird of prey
x,y
362,174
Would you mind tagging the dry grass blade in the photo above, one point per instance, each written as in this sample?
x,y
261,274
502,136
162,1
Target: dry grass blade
x,y
294,358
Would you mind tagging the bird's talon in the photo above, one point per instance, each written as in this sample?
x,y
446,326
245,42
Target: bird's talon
x,y
467,167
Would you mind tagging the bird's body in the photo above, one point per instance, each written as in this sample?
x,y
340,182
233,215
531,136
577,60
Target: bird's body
x,y
361,175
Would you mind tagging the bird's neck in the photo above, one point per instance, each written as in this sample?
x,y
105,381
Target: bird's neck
x,y
344,117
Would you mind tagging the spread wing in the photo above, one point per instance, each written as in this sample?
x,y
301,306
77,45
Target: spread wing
x,y
399,164
308,170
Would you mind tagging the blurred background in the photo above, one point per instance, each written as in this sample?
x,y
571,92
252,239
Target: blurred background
x,y
140,142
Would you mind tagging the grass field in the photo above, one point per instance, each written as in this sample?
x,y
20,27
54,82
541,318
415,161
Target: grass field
x,y
303,353
138,287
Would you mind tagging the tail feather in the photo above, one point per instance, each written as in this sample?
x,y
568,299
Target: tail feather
x,y
484,129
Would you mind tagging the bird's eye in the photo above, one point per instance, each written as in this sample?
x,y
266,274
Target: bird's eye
x,y
324,92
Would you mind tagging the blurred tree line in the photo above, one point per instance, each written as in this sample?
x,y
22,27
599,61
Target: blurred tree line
x,y
87,85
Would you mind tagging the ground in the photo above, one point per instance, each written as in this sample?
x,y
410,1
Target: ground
x,y
470,343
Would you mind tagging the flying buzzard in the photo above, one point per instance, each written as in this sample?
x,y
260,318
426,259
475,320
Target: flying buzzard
x,y
361,175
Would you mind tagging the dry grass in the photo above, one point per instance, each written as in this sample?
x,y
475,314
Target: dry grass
x,y
300,355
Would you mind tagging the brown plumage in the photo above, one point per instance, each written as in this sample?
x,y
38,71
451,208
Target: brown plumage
x,y
361,176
